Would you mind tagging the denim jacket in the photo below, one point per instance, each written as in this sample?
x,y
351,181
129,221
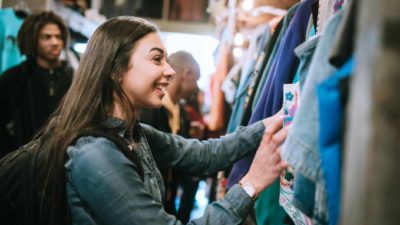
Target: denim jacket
x,y
103,186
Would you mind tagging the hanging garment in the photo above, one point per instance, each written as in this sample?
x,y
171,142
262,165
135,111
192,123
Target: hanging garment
x,y
245,64
325,12
216,118
238,107
300,149
331,116
291,101
9,51
240,168
343,45
265,73
305,52
262,61
282,71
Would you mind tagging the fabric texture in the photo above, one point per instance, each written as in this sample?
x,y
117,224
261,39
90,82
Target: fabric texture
x,y
159,119
331,115
104,188
241,167
301,148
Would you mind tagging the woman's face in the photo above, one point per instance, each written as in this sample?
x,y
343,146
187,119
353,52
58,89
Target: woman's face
x,y
148,73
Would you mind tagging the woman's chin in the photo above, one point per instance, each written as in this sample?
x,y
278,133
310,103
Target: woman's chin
x,y
154,106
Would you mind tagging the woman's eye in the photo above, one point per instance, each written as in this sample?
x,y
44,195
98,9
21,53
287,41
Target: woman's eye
x,y
157,59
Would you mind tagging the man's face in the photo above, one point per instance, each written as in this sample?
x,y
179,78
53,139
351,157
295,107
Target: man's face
x,y
189,83
50,43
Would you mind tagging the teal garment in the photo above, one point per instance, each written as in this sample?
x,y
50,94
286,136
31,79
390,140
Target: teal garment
x,y
297,77
264,76
269,212
9,52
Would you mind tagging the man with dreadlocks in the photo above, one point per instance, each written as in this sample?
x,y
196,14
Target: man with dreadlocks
x,y
30,91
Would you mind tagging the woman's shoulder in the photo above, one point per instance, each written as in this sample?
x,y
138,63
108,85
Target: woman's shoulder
x,y
91,146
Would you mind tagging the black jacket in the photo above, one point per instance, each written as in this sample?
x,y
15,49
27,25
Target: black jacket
x,y
28,95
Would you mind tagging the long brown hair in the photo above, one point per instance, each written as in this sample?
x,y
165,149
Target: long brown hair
x,y
90,99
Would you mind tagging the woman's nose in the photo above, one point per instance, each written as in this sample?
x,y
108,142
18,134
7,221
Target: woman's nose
x,y
169,72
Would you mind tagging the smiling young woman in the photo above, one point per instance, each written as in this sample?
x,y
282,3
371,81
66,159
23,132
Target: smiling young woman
x,y
91,181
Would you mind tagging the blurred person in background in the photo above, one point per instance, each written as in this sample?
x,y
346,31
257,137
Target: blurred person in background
x,y
30,91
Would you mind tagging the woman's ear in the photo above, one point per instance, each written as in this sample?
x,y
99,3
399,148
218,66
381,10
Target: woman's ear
x,y
117,78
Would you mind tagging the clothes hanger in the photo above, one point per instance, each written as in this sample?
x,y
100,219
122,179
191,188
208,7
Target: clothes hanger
x,y
268,10
22,9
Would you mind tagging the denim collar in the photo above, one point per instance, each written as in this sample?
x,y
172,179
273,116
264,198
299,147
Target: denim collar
x,y
114,122
122,129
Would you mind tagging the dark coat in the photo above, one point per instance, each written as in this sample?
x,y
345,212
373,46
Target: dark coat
x,y
28,95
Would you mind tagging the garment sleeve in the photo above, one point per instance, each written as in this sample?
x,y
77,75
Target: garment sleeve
x,y
111,191
203,157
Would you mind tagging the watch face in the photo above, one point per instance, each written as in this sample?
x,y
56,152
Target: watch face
x,y
249,189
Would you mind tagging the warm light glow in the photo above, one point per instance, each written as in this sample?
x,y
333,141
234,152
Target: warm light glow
x,y
79,47
237,52
238,39
202,47
247,5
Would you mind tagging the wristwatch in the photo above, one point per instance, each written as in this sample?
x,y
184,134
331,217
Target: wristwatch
x,y
250,190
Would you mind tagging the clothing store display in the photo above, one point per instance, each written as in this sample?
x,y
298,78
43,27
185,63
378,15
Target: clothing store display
x,y
326,68
28,95
282,71
237,171
323,43
301,146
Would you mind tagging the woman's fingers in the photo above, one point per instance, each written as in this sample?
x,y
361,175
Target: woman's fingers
x,y
274,126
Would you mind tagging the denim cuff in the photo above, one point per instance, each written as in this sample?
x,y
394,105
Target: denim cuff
x,y
257,130
239,200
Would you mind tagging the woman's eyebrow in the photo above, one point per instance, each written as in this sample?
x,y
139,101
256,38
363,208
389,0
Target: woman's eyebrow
x,y
157,49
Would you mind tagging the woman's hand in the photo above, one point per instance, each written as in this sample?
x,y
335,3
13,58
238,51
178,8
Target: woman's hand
x,y
267,164
267,121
